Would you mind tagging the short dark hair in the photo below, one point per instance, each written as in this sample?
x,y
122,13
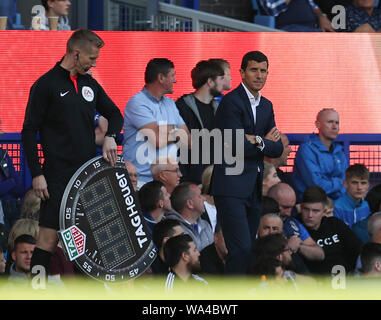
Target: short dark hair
x,y
256,56
45,4
269,205
223,63
373,198
24,238
272,245
149,194
203,71
357,170
175,247
370,252
84,38
163,229
155,67
314,194
266,249
180,195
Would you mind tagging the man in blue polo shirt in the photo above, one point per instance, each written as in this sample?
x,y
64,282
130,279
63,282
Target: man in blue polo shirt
x,y
152,123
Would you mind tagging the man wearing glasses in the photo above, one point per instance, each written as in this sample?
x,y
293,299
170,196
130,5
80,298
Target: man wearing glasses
x,y
167,171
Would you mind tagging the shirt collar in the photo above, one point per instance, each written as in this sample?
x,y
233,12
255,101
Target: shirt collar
x,y
251,96
150,96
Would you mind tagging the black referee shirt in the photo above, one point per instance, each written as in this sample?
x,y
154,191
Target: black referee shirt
x,y
64,118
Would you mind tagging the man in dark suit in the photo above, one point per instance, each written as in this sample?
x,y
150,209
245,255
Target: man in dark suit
x,y
252,134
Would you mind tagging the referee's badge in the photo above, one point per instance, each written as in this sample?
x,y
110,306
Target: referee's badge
x,y
88,93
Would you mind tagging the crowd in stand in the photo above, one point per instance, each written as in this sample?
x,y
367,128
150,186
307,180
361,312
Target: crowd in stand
x,y
321,216
289,15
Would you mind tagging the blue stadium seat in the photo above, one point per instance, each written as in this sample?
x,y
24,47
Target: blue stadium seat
x,y
9,8
261,19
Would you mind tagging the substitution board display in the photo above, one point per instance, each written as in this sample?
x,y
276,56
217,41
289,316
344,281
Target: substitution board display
x,y
102,227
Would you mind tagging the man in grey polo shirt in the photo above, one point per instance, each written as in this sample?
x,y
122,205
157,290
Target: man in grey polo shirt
x,y
152,123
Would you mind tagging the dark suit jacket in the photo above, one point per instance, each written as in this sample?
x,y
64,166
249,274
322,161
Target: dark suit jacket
x,y
234,112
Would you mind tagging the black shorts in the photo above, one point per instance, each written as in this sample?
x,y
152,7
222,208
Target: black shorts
x,y
50,209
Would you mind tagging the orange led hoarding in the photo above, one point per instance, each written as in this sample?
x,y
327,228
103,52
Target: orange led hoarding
x,y
306,71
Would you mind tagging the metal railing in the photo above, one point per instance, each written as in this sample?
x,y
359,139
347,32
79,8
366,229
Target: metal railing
x,y
358,148
145,15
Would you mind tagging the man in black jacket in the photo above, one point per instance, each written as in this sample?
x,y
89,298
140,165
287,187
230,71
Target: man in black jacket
x,y
340,244
197,110
61,108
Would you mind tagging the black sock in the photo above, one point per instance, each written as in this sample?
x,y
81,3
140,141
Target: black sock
x,y
42,258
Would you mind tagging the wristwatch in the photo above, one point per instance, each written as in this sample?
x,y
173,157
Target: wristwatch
x,y
258,141
112,135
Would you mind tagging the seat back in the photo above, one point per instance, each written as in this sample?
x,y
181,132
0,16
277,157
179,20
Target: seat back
x,y
262,19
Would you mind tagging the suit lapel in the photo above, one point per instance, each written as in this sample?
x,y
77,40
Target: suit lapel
x,y
246,103
260,119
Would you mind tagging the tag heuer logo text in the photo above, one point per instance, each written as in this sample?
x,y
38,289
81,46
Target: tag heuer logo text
x,y
74,241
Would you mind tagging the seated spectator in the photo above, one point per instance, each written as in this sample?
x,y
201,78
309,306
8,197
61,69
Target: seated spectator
x,y
30,206
297,15
374,235
188,206
320,161
271,223
373,198
327,6
282,160
21,255
22,226
210,213
133,174
213,257
167,171
299,240
154,202
270,177
11,190
162,231
329,207
371,259
54,8
269,205
351,207
182,256
197,110
340,244
267,251
362,16
2,263
8,8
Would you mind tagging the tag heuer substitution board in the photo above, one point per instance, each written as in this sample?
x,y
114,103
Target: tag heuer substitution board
x,y
102,227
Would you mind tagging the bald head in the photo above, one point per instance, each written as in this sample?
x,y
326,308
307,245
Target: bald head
x,y
327,122
374,227
285,196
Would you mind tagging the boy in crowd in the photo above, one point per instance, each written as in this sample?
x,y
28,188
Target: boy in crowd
x,y
340,244
352,207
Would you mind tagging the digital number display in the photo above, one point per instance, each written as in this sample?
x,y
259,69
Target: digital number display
x,y
101,202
